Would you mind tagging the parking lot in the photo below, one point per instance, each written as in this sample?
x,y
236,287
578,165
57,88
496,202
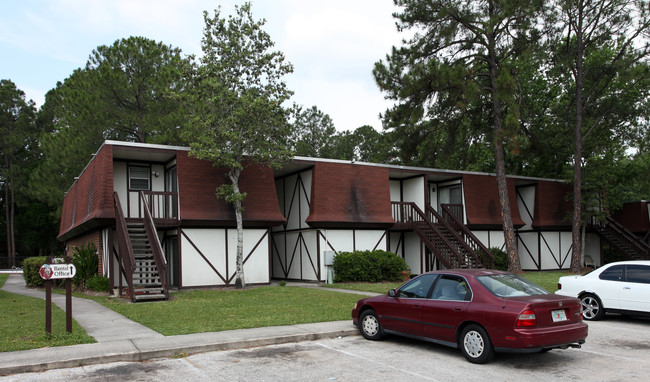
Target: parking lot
x,y
618,348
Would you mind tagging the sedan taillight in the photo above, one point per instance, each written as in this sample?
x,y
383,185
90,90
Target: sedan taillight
x,y
527,319
559,286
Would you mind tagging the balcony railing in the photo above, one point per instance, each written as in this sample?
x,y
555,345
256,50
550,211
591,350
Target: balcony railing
x,y
163,206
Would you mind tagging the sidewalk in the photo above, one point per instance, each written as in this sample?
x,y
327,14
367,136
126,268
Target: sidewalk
x,y
120,339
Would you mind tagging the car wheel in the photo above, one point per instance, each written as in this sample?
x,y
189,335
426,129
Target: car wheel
x,y
592,309
476,345
369,325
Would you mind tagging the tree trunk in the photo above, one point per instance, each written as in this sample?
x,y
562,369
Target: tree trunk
x,y
240,281
577,202
9,215
577,155
12,213
506,213
8,231
502,184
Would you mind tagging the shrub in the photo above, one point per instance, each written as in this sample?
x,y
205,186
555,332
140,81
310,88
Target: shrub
x,y
370,266
99,283
500,259
31,268
86,260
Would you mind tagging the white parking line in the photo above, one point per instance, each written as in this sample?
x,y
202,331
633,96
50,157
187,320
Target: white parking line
x,y
382,364
614,356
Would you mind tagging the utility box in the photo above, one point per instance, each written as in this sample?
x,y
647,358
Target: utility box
x,y
329,257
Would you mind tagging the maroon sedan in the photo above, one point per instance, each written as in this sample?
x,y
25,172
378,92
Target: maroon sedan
x,y
481,311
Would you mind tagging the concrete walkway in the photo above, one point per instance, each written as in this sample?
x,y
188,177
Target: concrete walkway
x,y
99,322
120,339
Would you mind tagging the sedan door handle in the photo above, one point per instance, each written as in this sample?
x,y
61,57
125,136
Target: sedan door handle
x,y
458,309
627,288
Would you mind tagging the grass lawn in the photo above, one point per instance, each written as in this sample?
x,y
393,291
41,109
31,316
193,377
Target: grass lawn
x,y
216,310
22,324
546,279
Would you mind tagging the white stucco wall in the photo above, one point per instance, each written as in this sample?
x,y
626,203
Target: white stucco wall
x,y
413,191
526,204
395,191
119,182
214,244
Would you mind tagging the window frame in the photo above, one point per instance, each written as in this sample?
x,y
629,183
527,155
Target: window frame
x,y
146,169
638,266
418,279
460,280
610,269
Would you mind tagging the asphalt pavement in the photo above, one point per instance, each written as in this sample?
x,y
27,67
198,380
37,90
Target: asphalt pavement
x,y
120,339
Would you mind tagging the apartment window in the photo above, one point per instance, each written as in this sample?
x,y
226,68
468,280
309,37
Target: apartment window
x,y
139,178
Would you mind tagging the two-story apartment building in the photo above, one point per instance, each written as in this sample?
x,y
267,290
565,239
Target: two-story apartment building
x,y
153,215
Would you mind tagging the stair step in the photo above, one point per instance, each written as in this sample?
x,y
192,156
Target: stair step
x,y
146,297
143,257
147,289
154,280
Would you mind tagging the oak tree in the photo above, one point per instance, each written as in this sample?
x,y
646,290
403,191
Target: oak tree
x,y
237,116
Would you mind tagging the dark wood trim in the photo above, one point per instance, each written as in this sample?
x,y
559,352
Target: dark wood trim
x,y
205,258
520,197
111,259
180,257
379,241
269,251
297,172
523,243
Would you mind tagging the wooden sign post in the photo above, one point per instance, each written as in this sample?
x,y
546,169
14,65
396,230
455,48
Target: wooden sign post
x,y
58,269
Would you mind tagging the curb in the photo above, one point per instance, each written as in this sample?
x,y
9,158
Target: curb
x,y
147,349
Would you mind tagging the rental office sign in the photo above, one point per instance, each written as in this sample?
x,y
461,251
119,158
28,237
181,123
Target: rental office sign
x,y
54,269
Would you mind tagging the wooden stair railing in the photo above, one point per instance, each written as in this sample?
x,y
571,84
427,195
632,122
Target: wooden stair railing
x,y
627,243
156,248
445,236
125,255
408,215
450,214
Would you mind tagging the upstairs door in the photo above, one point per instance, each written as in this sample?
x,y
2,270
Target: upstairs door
x,y
171,185
452,195
139,179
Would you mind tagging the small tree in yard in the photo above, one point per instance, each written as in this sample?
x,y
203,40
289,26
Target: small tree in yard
x,y
235,100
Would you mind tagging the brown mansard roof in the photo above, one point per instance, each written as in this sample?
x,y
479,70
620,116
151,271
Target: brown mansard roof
x,y
552,205
89,202
482,202
343,194
197,184
634,217
348,195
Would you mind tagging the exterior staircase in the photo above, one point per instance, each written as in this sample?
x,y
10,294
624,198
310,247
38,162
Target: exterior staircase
x,y
624,241
450,241
147,284
140,256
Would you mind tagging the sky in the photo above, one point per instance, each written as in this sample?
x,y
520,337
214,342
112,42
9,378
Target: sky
x,y
332,44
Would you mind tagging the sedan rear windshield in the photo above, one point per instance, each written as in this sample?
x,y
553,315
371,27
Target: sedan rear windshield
x,y
510,285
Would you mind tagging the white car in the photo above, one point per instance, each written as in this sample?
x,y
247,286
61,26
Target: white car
x,y
622,287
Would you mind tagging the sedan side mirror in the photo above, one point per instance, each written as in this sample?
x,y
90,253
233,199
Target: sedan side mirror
x,y
391,293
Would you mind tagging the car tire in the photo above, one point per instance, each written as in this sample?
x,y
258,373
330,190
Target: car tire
x,y
592,308
476,345
369,325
